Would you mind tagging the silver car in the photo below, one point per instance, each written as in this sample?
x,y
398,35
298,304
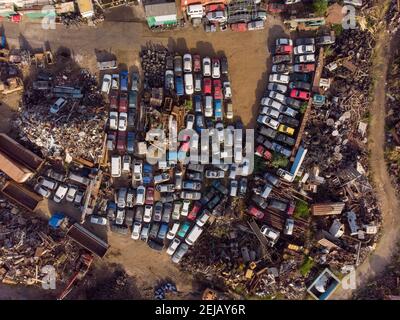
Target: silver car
x,y
180,252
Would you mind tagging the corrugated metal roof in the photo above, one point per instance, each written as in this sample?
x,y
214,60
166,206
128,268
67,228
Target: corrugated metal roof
x,y
323,209
154,8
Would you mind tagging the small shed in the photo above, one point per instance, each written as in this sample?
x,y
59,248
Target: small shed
x,y
160,12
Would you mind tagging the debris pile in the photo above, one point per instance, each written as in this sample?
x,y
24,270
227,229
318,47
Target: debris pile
x,y
27,245
76,129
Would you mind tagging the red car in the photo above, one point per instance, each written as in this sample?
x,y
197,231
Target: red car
x,y
291,208
196,63
149,196
207,86
284,49
217,89
257,213
195,210
276,7
298,94
240,26
261,151
123,102
114,100
121,141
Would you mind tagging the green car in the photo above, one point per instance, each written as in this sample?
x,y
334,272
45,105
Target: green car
x,y
184,229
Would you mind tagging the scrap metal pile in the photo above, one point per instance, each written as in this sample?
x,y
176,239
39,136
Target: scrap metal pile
x,y
77,128
27,245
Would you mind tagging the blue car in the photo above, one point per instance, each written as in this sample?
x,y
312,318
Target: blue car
x,y
218,110
130,142
179,86
162,232
123,78
132,100
197,104
199,122
147,173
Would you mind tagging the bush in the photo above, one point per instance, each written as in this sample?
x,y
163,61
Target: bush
x,y
306,267
320,7
279,160
302,210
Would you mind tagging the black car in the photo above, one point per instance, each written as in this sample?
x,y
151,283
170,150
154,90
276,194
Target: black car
x,y
300,85
242,187
267,131
304,41
204,200
259,201
294,103
224,65
280,137
305,77
200,122
155,245
169,63
289,121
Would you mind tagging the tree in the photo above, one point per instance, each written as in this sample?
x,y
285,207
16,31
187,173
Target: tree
x,y
279,160
320,7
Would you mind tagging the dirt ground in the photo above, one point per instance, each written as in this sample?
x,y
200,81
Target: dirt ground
x,y
248,60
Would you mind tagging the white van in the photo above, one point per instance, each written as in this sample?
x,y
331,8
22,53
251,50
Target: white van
x,y
78,178
195,11
193,235
115,166
189,83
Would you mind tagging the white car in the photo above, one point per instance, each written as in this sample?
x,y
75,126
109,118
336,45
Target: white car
x,y
220,131
161,178
284,41
227,90
106,85
137,170
263,119
277,96
206,67
115,81
126,163
137,226
304,49
305,58
60,193
187,62
185,208
172,232
58,105
148,213
216,68
208,107
268,102
271,112
140,195
113,120
188,83
180,252
289,225
123,121
234,188
176,213
277,87
203,218
270,233
42,191
279,78
216,16
98,220
189,121
71,193
173,245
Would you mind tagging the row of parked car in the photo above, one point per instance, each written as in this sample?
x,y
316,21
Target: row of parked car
x,y
71,187
288,91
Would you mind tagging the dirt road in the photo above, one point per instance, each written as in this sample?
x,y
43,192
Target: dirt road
x,y
385,191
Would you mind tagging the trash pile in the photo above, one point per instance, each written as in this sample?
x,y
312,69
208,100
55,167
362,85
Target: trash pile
x,y
27,245
162,290
153,65
76,128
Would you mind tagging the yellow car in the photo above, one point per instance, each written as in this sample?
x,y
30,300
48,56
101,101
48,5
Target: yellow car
x,y
285,129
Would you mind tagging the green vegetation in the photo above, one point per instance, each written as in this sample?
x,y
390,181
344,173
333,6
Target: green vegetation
x,y
338,28
259,164
303,108
320,7
307,265
328,51
279,160
302,210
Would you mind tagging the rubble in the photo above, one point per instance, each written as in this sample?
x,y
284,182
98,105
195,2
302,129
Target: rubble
x,y
27,244
77,131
